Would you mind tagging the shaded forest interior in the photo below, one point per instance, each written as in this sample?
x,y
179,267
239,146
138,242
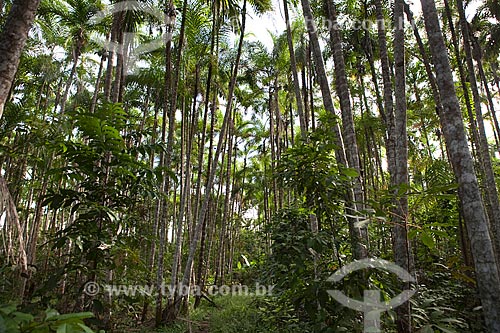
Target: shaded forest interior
x,y
164,169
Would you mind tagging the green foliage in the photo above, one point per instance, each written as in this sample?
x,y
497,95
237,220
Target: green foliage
x,y
89,182
445,304
105,186
300,263
108,177
310,169
50,321
434,204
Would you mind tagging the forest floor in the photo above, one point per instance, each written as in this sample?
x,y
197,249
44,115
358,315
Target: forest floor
x,y
232,314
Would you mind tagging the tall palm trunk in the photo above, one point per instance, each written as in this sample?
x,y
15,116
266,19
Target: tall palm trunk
x,y
12,40
322,78
492,202
178,238
478,56
461,71
226,218
97,86
348,131
487,274
76,57
400,218
214,50
425,59
293,64
272,141
387,91
211,177
115,30
169,107
355,232
396,143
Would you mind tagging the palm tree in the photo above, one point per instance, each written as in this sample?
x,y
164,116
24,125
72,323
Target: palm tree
x,y
463,77
348,132
169,109
322,78
293,64
400,178
487,274
388,113
492,200
222,136
75,16
12,40
356,233
425,58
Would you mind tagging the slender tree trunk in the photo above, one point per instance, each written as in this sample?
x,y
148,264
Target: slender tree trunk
x,y
272,142
322,78
111,56
226,215
293,64
178,239
396,143
401,246
425,59
423,126
387,92
492,202
463,80
169,107
487,274
76,57
354,230
214,50
98,83
348,131
211,177
479,60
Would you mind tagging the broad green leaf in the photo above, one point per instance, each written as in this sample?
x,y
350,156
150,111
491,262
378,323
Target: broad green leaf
x,y
85,328
78,315
428,240
50,313
64,328
22,317
6,309
350,172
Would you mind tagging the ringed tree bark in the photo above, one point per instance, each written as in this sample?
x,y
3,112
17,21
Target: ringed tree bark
x,y
356,234
169,107
348,131
487,274
173,311
293,64
491,201
400,244
12,40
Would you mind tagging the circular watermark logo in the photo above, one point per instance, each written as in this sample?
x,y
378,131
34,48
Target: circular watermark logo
x,y
371,305
91,288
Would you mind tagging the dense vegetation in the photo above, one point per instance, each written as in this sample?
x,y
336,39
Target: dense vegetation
x,y
192,155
